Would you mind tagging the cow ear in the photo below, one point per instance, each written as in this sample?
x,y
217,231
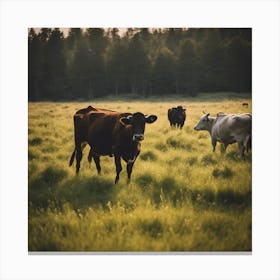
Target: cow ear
x,y
125,120
151,119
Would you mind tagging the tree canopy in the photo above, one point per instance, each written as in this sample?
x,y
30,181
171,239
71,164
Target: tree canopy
x,y
146,61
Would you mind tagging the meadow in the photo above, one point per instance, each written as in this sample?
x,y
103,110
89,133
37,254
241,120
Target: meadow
x,y
181,197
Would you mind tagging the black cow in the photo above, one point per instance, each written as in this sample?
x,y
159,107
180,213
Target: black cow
x,y
177,116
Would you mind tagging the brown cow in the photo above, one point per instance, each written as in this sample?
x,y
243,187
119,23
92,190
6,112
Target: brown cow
x,y
118,134
81,126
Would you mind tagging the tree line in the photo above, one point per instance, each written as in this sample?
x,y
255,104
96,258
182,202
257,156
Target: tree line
x,y
96,62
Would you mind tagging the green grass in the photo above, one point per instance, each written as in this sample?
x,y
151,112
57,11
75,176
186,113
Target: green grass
x,y
182,196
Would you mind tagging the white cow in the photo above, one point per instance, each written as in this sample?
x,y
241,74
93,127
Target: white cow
x,y
228,129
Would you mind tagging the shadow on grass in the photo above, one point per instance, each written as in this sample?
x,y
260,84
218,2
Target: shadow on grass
x,y
221,199
176,143
148,155
87,192
235,156
153,228
51,188
208,160
225,173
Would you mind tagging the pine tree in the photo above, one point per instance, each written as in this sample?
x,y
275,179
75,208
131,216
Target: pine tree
x,y
187,68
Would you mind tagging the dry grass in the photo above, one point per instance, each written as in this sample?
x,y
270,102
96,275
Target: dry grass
x,y
182,197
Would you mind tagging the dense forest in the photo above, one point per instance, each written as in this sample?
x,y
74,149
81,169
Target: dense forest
x,y
94,62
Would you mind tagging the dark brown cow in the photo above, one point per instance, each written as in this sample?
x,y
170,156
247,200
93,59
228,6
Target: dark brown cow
x,y
118,134
177,116
81,126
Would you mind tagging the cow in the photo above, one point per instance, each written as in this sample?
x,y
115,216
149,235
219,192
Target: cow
x,y
245,104
81,126
228,129
177,116
117,134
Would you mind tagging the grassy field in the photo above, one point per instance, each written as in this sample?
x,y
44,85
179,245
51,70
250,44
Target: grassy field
x,y
182,196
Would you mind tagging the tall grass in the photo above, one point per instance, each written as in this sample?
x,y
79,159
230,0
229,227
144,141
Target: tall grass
x,y
182,196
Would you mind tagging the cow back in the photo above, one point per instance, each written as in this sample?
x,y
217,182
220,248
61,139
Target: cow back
x,y
231,126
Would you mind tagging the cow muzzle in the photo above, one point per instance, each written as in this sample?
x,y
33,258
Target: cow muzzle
x,y
195,128
138,137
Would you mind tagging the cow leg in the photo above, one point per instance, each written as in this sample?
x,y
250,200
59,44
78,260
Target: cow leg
x,y
248,144
118,167
241,149
79,156
224,147
90,155
72,157
214,142
129,167
97,162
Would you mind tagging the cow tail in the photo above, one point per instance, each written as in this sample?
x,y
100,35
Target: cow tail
x,y
72,157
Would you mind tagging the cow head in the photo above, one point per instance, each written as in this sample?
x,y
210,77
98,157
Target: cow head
x,y
204,123
137,122
180,113
181,108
